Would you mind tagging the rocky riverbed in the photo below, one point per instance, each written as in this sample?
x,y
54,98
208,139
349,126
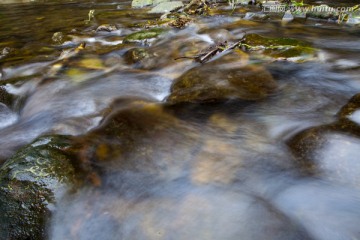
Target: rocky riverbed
x,y
179,120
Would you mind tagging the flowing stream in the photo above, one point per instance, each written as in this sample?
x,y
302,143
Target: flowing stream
x,y
231,169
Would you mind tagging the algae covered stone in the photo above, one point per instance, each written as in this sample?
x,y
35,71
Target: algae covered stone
x,y
143,35
30,183
135,55
278,47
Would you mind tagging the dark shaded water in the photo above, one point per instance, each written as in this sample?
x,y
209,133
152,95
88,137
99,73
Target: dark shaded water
x,y
236,169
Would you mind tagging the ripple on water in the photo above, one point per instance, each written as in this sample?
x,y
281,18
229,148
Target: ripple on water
x,y
7,117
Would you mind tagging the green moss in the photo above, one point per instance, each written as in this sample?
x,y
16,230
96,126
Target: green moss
x,y
143,35
135,55
277,47
29,183
257,40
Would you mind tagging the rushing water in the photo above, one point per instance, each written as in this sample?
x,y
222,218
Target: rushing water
x,y
223,170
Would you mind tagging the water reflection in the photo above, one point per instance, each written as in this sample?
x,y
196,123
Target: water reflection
x,y
7,117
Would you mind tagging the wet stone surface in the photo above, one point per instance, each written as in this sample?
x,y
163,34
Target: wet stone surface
x,y
281,48
164,192
144,35
30,183
331,150
216,82
135,55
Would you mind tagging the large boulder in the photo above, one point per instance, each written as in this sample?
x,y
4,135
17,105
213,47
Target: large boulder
x,y
331,151
217,81
30,183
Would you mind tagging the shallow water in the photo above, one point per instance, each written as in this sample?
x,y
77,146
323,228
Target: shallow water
x,y
233,169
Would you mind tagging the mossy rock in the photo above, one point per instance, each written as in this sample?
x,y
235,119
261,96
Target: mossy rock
x,y
59,38
30,183
135,55
197,7
211,83
143,35
278,47
180,22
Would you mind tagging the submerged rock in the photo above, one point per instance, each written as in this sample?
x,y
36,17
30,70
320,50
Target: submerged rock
x,y
171,210
58,38
212,82
91,62
124,141
30,183
159,177
332,151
